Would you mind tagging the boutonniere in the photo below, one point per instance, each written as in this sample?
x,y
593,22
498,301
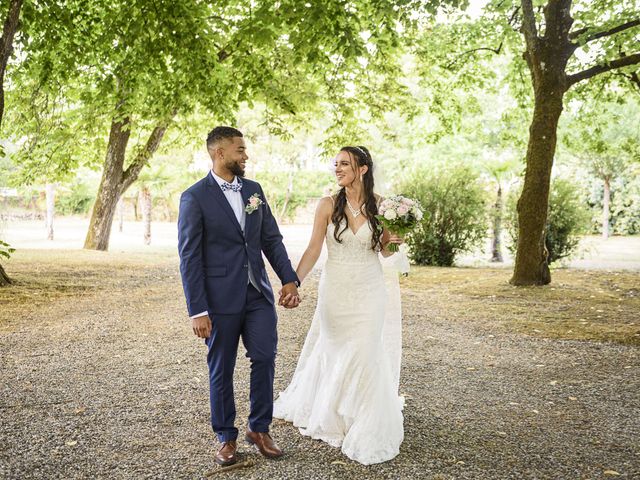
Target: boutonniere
x,y
254,203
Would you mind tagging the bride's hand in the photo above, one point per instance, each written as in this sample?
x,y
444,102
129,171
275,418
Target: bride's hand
x,y
394,238
399,239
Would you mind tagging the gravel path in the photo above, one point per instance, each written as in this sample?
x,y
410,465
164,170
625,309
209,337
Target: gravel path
x,y
114,385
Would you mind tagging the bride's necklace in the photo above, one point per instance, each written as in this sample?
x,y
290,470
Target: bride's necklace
x,y
354,211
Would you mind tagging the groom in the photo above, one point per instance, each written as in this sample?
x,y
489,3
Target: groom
x,y
224,226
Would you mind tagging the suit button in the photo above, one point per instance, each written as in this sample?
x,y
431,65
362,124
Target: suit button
x,y
246,266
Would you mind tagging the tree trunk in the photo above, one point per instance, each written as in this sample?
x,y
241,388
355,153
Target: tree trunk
x,y
605,208
4,278
145,193
287,198
9,29
531,267
120,215
115,180
496,245
136,214
110,187
50,190
547,58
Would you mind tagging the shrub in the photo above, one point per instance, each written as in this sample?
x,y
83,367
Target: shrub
x,y
455,216
568,218
77,199
625,206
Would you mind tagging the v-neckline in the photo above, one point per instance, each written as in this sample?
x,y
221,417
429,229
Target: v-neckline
x,y
357,229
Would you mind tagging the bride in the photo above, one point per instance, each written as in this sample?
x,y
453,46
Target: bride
x,y
345,387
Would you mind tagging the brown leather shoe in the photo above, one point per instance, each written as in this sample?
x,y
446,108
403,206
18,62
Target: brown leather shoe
x,y
264,443
227,453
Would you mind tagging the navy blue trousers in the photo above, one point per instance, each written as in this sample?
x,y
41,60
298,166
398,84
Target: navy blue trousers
x,y
257,327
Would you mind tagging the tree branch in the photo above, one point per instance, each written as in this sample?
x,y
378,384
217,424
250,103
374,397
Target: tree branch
x,y
479,49
9,28
604,33
557,19
529,24
598,69
143,156
8,31
514,15
633,76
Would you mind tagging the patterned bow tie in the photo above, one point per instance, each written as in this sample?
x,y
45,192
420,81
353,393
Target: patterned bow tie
x,y
230,186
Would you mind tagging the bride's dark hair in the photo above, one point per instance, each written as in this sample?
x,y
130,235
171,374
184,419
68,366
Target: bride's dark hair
x,y
360,156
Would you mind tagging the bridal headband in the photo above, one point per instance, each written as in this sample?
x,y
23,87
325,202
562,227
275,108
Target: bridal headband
x,y
362,151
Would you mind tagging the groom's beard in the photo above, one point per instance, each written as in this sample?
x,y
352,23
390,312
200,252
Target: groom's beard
x,y
236,169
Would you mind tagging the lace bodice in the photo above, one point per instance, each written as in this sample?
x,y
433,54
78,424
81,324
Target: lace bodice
x,y
354,249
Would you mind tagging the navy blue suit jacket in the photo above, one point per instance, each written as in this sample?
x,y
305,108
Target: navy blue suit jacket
x,y
215,254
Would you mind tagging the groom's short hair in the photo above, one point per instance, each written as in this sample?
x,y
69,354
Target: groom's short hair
x,y
220,133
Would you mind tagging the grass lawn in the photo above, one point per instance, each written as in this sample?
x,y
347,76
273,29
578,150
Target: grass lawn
x,y
578,304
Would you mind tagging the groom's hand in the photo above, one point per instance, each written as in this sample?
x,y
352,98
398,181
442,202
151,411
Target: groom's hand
x,y
289,296
202,326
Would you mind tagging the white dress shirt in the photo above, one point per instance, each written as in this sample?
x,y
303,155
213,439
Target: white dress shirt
x,y
237,205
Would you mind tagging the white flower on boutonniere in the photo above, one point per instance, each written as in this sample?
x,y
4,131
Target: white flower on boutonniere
x,y
254,203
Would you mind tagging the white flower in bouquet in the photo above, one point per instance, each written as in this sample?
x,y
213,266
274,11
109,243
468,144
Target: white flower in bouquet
x,y
390,214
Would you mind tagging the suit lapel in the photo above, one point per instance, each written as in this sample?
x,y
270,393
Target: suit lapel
x,y
246,193
222,201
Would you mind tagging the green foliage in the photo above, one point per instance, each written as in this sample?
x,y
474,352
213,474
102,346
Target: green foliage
x,y
625,208
77,199
288,191
567,220
455,216
6,250
84,63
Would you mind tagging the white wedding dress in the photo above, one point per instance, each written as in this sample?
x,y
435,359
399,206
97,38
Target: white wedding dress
x,y
345,387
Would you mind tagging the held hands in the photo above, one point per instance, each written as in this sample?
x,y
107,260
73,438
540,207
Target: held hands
x,y
201,326
289,296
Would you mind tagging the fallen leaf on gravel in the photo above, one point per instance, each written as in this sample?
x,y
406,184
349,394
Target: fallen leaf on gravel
x,y
535,411
514,403
338,462
460,462
573,398
553,382
612,473
71,443
470,368
502,434
80,411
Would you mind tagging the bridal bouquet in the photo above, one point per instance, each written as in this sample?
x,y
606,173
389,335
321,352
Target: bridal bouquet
x,y
399,215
